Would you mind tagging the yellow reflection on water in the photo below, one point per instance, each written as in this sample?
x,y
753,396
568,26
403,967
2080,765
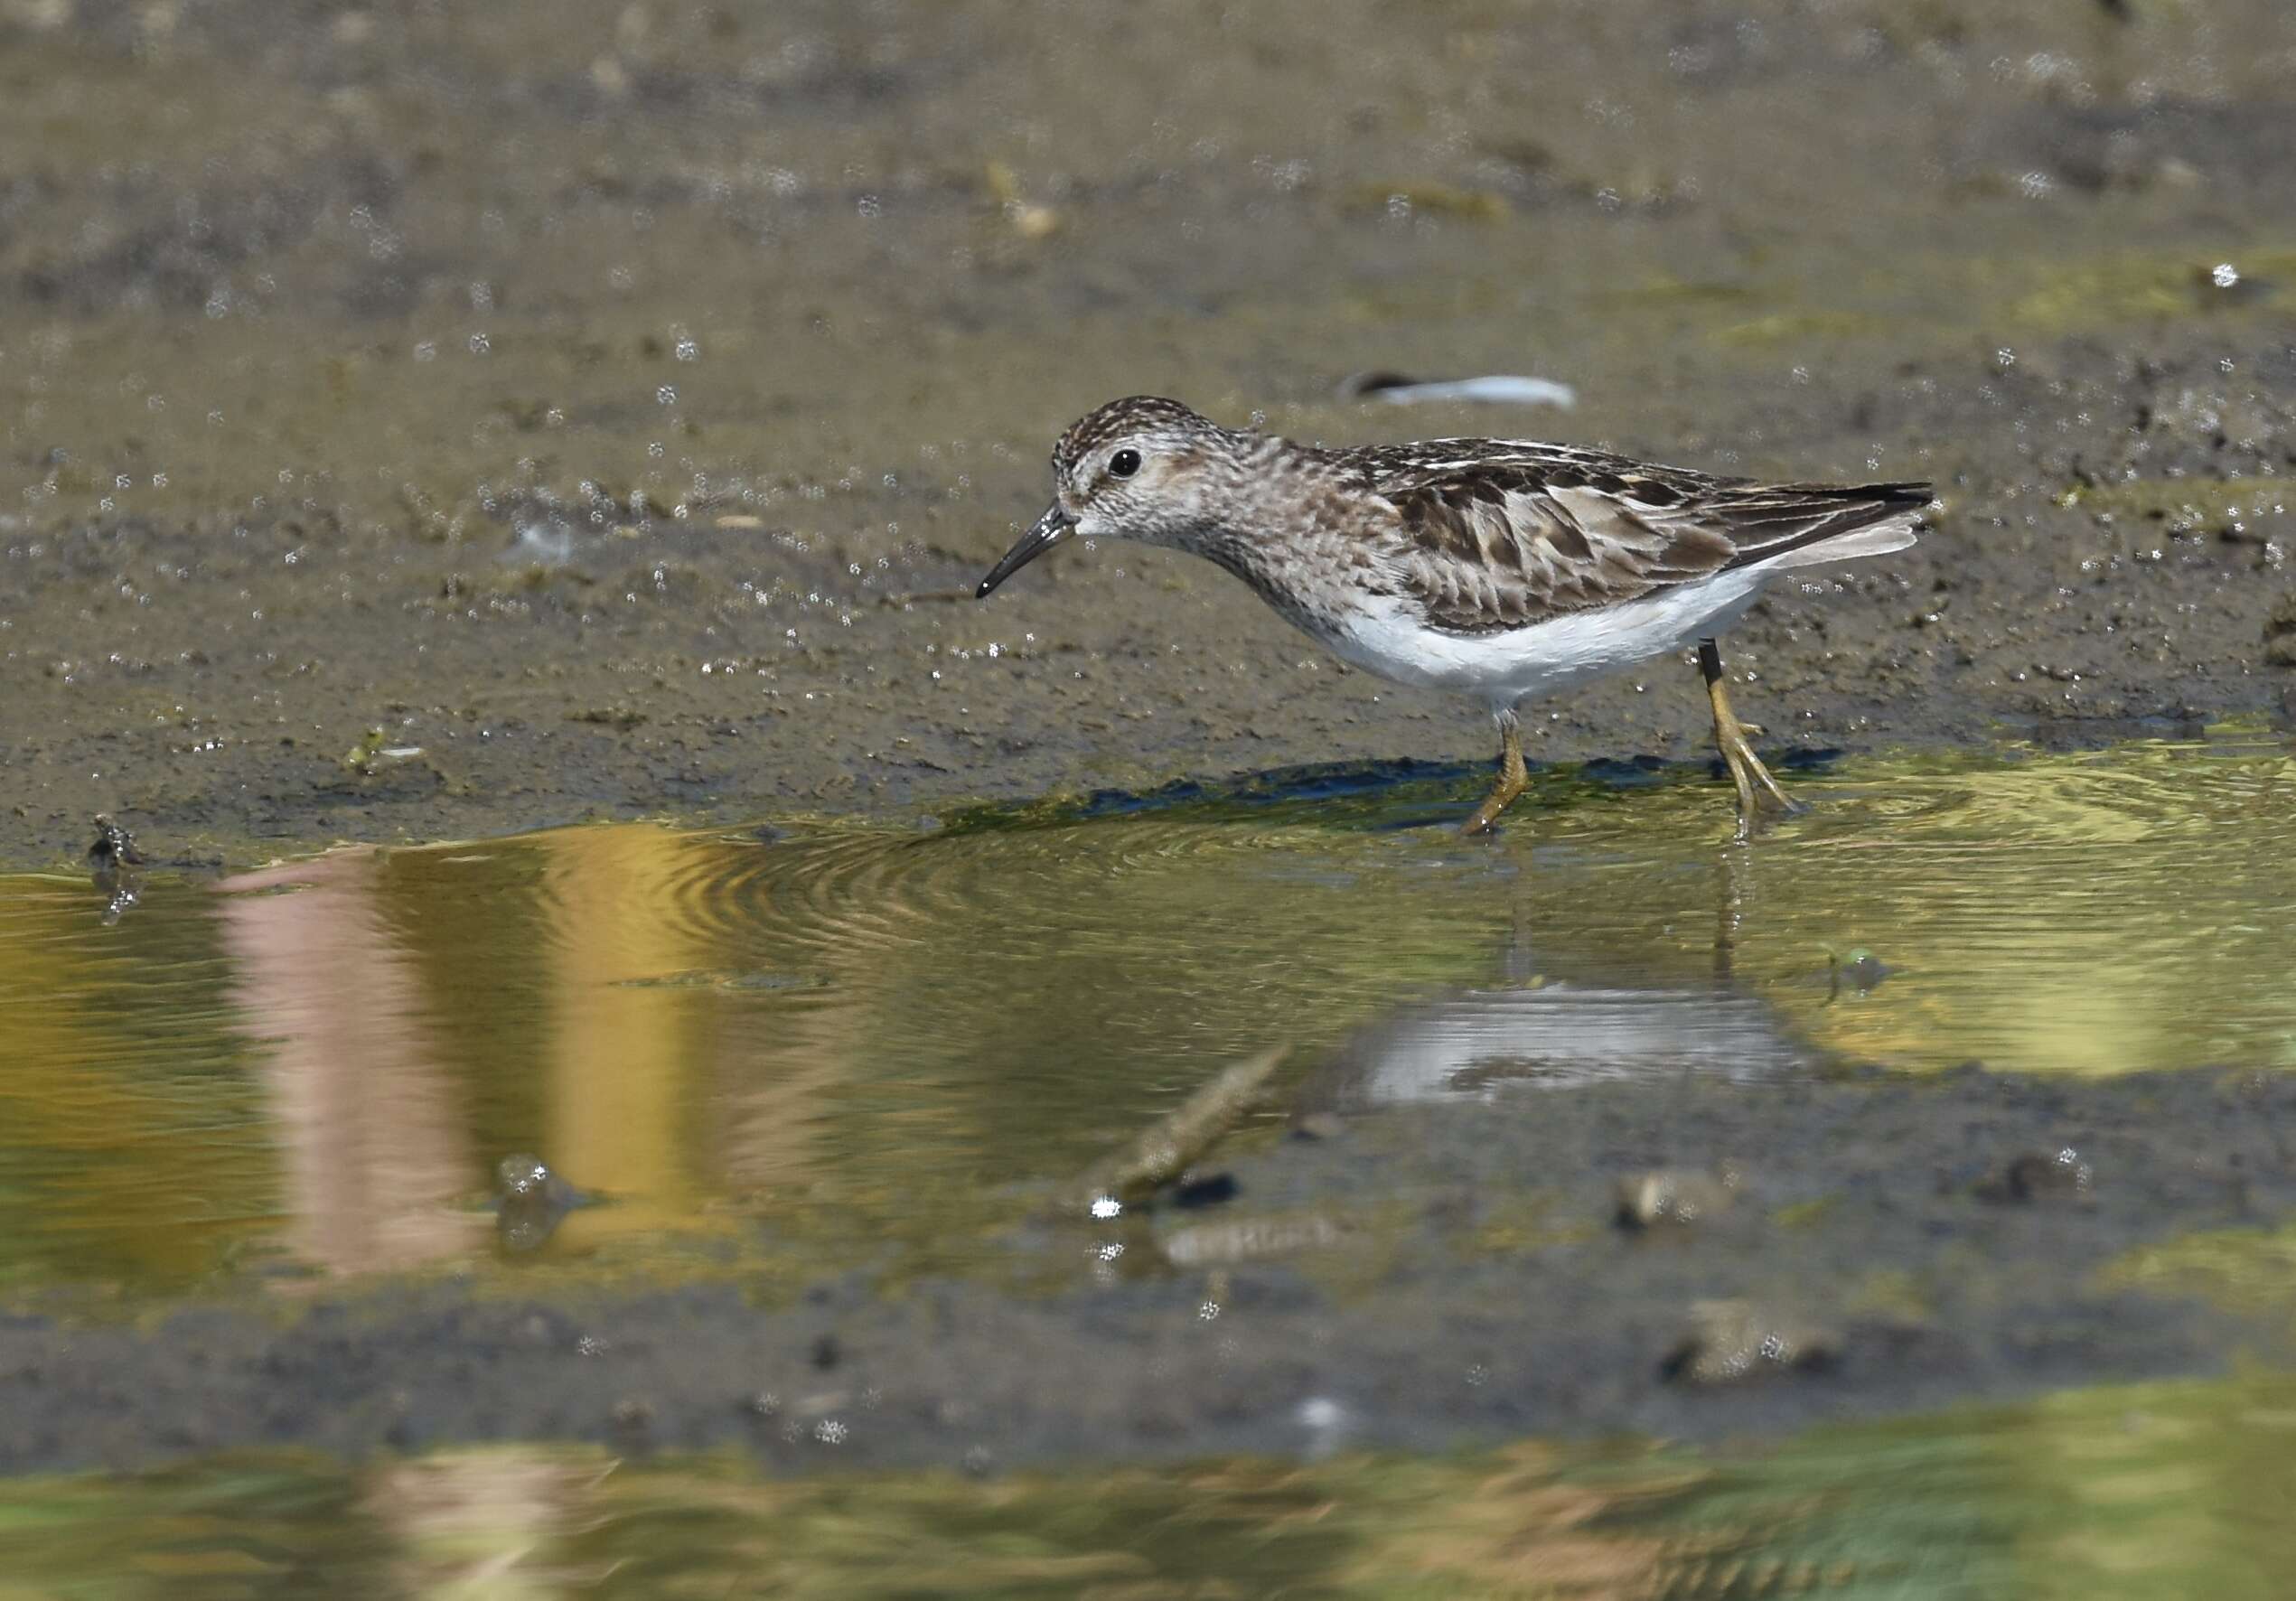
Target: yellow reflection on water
x,y
131,1131
625,1064
2090,914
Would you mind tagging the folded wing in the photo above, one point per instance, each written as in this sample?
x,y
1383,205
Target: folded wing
x,y
1495,541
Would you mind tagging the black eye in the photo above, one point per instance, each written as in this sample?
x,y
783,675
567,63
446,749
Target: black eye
x,y
1124,464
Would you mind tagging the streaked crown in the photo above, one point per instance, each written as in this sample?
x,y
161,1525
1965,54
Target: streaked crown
x,y
1130,419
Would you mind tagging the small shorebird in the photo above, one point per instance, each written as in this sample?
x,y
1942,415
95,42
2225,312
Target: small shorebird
x,y
1500,568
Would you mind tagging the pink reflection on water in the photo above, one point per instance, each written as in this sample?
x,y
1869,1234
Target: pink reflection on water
x,y
373,1153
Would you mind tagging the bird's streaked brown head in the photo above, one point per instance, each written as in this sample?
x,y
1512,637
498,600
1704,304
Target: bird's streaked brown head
x,y
1129,470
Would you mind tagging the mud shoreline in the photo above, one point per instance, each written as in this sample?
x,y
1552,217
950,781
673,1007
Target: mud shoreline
x,y
643,475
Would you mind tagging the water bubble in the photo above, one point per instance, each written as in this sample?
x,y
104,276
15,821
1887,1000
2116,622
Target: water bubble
x,y
667,395
686,349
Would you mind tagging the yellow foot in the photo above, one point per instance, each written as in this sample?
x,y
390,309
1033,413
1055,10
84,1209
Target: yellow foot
x,y
1756,787
1513,779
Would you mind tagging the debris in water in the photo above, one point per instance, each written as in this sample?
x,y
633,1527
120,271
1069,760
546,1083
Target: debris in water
x,y
531,1201
1496,389
1859,970
1190,1128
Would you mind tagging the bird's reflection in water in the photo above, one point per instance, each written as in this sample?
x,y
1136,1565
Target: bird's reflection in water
x,y
1566,1021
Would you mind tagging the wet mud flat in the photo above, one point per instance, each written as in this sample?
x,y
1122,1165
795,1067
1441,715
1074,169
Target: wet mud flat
x,y
416,430
1426,1276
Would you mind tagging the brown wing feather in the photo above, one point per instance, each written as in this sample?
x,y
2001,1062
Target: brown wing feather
x,y
1488,545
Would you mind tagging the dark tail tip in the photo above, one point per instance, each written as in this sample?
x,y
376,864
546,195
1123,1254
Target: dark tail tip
x,y
1908,493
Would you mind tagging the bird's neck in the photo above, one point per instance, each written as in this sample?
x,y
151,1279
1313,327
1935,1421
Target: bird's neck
x,y
1261,533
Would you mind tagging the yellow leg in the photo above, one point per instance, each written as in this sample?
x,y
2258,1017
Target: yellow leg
x,y
1513,779
1752,779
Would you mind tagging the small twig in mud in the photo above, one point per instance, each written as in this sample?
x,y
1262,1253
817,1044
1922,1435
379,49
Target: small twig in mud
x,y
1190,1128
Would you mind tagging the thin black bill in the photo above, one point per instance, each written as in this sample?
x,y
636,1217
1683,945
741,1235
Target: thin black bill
x,y
1049,530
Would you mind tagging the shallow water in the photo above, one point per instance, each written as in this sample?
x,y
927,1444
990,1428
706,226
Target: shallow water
x,y
2151,1491
775,1055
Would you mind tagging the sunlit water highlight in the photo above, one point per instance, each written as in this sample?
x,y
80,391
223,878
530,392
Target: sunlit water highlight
x,y
872,1041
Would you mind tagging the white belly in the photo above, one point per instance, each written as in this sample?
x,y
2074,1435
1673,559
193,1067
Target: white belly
x,y
1502,669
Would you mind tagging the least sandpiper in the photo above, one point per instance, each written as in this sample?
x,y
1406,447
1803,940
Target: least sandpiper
x,y
1500,568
